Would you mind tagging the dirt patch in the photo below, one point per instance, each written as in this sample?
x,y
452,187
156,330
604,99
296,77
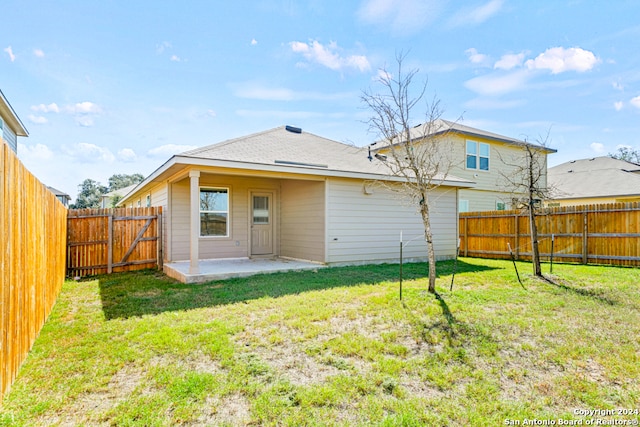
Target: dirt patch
x,y
229,410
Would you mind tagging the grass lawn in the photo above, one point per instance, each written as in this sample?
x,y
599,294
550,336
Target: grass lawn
x,y
337,347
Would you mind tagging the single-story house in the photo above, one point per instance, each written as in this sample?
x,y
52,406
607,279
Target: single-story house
x,y
594,181
288,193
10,125
108,200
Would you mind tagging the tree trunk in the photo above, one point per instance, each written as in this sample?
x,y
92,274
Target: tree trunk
x,y
535,252
428,235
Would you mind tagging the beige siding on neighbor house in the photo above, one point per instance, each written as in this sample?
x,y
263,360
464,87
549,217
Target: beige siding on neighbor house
x,y
236,245
366,227
592,201
490,185
302,222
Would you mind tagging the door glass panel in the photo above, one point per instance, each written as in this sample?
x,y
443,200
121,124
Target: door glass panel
x,y
261,209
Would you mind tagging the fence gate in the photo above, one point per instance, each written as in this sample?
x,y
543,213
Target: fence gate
x,y
103,241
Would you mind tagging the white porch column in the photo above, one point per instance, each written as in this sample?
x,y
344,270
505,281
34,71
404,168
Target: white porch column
x,y
194,177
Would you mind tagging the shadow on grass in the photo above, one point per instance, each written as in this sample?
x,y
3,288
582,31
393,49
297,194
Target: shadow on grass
x,y
140,293
590,293
458,334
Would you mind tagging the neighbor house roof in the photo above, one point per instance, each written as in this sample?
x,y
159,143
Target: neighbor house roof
x,y
286,150
441,126
595,177
11,118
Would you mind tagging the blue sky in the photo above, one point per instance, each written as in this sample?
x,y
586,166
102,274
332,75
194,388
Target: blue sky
x,y
119,86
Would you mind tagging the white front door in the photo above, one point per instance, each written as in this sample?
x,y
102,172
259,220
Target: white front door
x,y
261,223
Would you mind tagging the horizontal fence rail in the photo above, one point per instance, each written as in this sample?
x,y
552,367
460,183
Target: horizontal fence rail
x,y
103,241
596,234
32,261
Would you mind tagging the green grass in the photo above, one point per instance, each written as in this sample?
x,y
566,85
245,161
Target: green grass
x,y
336,347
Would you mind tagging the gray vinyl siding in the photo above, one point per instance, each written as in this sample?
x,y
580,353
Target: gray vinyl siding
x,y
9,136
366,227
303,220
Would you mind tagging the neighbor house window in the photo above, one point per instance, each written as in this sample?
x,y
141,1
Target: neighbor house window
x,y
477,155
214,212
463,206
148,201
500,205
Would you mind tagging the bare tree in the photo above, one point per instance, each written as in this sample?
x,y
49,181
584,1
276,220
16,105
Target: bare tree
x,y
527,181
627,153
408,151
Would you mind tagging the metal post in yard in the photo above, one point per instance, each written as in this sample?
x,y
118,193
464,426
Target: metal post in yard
x,y
514,264
400,265
552,242
455,266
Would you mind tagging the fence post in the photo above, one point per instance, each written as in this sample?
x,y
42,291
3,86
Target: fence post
x,y
585,231
517,255
159,241
466,236
110,243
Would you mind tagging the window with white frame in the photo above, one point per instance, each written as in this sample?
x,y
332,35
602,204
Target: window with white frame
x,y
463,206
478,155
148,201
214,212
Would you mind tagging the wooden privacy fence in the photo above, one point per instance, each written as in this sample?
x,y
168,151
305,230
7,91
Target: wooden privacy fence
x,y
32,249
103,241
597,234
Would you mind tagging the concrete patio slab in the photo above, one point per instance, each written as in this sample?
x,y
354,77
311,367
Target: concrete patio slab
x,y
220,269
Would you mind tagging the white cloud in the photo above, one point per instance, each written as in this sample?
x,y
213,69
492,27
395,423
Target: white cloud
x,y
498,84
175,58
635,102
559,60
618,105
597,147
90,153
51,108
509,61
38,53
254,42
402,17
9,51
329,57
160,48
127,155
30,153
253,90
211,113
169,150
38,120
476,15
85,107
475,57
382,75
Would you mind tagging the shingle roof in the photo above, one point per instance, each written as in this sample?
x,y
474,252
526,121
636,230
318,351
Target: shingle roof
x,y
595,177
280,146
441,126
289,151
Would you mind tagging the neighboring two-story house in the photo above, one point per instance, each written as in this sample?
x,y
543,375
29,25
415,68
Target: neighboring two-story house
x,y
485,158
10,125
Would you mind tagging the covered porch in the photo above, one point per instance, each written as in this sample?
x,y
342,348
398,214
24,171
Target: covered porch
x,y
221,269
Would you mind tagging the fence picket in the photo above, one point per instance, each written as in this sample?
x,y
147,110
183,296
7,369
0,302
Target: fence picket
x,y
32,260
598,234
111,240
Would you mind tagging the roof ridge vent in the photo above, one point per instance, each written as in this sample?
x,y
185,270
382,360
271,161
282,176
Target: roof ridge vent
x,y
293,129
